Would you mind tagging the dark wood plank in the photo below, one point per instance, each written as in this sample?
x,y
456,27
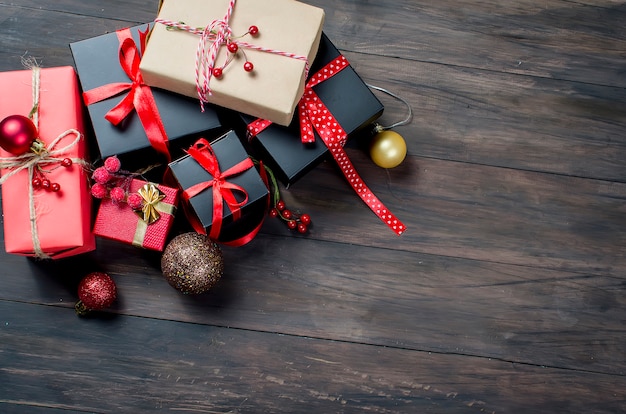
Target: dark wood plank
x,y
520,122
472,211
505,295
382,297
186,367
545,40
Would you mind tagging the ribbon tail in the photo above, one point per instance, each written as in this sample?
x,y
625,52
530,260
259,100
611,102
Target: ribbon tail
x,y
151,120
121,110
218,213
306,126
357,183
105,92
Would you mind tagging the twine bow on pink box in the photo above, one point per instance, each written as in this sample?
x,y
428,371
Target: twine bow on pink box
x,y
315,115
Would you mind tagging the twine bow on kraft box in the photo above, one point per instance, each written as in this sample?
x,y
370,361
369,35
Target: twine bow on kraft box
x,y
249,56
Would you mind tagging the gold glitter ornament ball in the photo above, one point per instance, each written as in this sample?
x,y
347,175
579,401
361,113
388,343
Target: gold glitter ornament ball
x,y
192,263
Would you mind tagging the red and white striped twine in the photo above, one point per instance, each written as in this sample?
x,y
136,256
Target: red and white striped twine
x,y
215,35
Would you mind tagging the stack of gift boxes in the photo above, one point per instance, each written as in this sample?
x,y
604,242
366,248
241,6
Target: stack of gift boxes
x,y
174,110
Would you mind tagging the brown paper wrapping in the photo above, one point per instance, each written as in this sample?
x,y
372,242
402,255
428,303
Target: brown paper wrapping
x,y
273,89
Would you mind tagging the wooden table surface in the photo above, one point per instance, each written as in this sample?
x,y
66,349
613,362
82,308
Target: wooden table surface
x,y
506,294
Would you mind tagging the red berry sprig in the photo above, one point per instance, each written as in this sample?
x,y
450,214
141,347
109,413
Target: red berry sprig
x,y
110,181
298,222
233,48
40,180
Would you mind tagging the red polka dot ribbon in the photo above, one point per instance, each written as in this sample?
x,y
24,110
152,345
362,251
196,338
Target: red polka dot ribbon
x,y
314,115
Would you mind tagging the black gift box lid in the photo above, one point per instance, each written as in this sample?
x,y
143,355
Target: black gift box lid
x,y
97,63
347,97
229,151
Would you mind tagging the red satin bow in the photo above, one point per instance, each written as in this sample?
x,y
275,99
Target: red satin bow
x,y
314,115
223,191
139,95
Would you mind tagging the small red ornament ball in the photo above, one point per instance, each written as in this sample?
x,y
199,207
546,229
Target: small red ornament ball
x,y
96,291
17,133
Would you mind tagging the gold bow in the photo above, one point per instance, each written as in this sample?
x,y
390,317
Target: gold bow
x,y
152,197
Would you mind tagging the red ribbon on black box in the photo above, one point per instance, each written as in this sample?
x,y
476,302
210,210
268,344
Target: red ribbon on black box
x,y
223,191
139,95
314,115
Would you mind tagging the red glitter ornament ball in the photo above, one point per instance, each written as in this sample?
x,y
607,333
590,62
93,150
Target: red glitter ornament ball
x,y
17,134
96,291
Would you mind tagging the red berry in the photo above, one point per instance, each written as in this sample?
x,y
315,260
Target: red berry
x,y
98,191
45,183
101,175
287,214
112,164
232,47
280,205
248,67
306,219
67,162
135,201
55,187
217,72
253,30
36,182
292,224
117,194
302,228
273,213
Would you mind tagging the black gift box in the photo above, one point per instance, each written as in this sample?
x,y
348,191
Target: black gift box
x,y
229,151
347,97
97,63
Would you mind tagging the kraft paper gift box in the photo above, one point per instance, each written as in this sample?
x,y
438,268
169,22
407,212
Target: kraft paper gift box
x,y
272,89
148,227
62,219
148,116
348,99
233,170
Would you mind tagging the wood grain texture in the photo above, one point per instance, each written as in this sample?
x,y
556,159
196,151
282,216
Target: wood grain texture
x,y
172,366
506,294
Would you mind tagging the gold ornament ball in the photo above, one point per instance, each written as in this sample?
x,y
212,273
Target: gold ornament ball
x,y
388,149
192,263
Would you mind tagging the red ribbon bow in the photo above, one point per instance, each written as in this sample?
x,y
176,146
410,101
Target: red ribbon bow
x,y
139,95
223,191
315,115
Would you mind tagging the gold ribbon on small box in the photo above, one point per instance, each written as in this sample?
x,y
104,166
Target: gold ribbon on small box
x,y
153,207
